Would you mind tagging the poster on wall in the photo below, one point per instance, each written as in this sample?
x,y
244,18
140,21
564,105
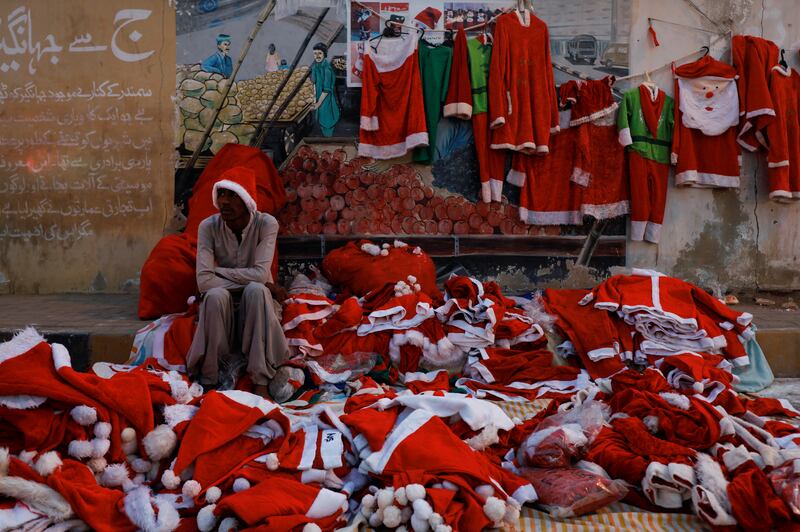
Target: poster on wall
x,y
84,93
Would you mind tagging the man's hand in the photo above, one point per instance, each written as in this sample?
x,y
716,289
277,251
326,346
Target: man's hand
x,y
279,293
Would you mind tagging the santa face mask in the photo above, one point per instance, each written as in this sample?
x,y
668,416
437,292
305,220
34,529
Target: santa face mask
x,y
709,104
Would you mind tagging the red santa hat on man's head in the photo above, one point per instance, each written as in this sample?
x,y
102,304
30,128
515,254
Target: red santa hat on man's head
x,y
428,17
240,180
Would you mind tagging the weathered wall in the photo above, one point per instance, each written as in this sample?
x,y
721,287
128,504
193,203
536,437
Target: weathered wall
x,y
86,131
723,239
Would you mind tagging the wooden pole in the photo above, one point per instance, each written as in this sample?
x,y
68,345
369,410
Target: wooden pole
x,y
294,92
590,244
262,17
288,76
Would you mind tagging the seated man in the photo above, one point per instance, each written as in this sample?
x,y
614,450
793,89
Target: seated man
x,y
237,313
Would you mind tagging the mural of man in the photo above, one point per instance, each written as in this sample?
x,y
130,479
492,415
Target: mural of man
x,y
220,62
273,59
324,80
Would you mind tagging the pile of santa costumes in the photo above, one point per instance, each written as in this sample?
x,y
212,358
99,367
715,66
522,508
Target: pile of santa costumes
x,y
416,433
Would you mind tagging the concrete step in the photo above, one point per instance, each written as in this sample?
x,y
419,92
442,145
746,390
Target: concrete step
x,y
101,327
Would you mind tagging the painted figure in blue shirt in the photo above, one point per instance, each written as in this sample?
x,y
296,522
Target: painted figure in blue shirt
x,y
220,62
324,79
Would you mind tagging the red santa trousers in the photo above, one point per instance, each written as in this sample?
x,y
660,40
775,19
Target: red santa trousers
x,y
491,163
649,180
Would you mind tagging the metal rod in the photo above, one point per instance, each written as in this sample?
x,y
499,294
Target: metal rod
x,y
590,244
262,17
294,92
288,75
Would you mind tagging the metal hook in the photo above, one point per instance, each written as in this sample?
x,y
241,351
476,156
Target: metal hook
x,y
706,50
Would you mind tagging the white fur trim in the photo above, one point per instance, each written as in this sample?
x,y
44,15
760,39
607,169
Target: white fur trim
x,y
84,415
102,429
20,343
47,463
682,474
251,400
735,457
60,355
460,110
676,400
206,520
213,494
39,497
393,150
240,191
369,123
80,449
114,475
326,504
22,402
241,484
159,442
625,137
178,413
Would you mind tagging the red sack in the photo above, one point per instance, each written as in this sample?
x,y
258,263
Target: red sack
x,y
168,275
358,272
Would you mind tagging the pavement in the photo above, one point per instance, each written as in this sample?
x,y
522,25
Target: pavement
x,y
101,327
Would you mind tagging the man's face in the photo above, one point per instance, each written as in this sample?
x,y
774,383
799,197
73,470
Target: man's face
x,y
319,55
224,47
231,206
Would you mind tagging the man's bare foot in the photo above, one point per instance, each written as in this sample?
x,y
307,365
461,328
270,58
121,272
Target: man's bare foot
x,y
262,390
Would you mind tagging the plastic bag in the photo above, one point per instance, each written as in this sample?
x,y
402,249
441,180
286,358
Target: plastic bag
x,y
563,438
785,482
569,492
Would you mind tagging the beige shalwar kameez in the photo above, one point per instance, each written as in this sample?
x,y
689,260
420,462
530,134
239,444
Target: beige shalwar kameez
x,y
231,274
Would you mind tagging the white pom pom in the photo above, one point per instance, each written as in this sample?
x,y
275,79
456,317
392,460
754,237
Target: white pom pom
x,y
384,253
435,520
130,447
84,415
140,465
417,250
411,279
400,496
385,245
418,524
170,480
228,524
206,520
114,475
417,287
512,514
401,529
102,429
272,461
47,463
196,390
368,501
414,492
97,465
385,498
399,244
160,442
27,457
191,489
392,516
311,527
422,509
447,485
484,491
240,484
443,528
376,519
100,447
406,513
80,449
128,434
495,510
213,494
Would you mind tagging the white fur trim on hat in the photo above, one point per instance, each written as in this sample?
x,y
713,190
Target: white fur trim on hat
x,y
84,415
159,442
241,484
735,457
39,497
227,184
22,342
677,400
206,520
178,413
139,509
47,463
213,494
61,358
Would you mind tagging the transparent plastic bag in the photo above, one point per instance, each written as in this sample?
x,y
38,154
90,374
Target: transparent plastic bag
x,y
785,482
570,492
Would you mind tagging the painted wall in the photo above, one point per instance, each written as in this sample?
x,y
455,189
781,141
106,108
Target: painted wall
x,y
722,239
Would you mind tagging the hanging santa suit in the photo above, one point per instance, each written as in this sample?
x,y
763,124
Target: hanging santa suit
x,y
523,107
467,97
784,136
754,58
645,122
704,145
392,107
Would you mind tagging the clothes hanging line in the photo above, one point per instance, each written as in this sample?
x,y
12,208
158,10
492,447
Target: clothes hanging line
x,y
652,19
386,19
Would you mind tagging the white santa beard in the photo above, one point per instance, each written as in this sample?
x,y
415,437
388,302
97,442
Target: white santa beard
x,y
694,104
